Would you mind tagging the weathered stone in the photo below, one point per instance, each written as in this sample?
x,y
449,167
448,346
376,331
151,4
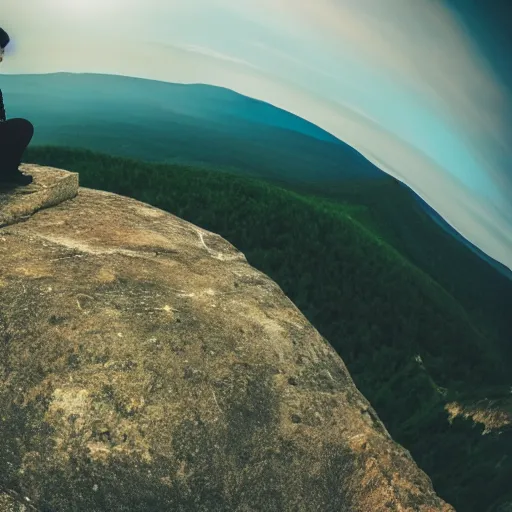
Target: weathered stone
x,y
145,365
50,187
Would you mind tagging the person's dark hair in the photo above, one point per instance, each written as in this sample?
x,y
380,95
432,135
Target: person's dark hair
x,y
4,38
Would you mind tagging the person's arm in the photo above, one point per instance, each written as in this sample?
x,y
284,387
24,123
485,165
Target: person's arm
x,y
2,108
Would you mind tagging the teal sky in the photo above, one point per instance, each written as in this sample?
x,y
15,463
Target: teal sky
x,y
404,84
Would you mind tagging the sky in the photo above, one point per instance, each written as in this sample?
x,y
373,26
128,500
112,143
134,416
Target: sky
x,y
411,85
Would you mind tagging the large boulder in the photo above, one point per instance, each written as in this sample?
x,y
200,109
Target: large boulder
x,y
145,365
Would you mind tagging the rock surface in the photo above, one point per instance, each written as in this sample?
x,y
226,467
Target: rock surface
x,y
145,365
50,187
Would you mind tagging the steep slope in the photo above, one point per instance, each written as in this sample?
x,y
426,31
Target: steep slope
x,y
435,376
145,365
400,217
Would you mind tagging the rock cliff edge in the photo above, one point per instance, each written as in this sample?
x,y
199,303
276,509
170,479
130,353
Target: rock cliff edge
x,y
145,365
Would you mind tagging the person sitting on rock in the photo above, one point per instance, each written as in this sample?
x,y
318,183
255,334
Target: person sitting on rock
x,y
15,136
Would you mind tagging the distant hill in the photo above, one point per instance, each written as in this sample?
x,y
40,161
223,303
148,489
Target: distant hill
x,y
176,123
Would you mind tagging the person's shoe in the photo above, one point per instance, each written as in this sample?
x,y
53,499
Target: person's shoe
x,y
18,178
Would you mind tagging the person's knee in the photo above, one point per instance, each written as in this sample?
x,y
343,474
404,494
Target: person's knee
x,y
23,127
29,129
24,123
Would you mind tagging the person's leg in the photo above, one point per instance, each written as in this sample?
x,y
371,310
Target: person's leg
x,y
4,144
15,136
18,134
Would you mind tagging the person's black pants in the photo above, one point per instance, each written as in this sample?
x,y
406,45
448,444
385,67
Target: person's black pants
x,y
15,136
